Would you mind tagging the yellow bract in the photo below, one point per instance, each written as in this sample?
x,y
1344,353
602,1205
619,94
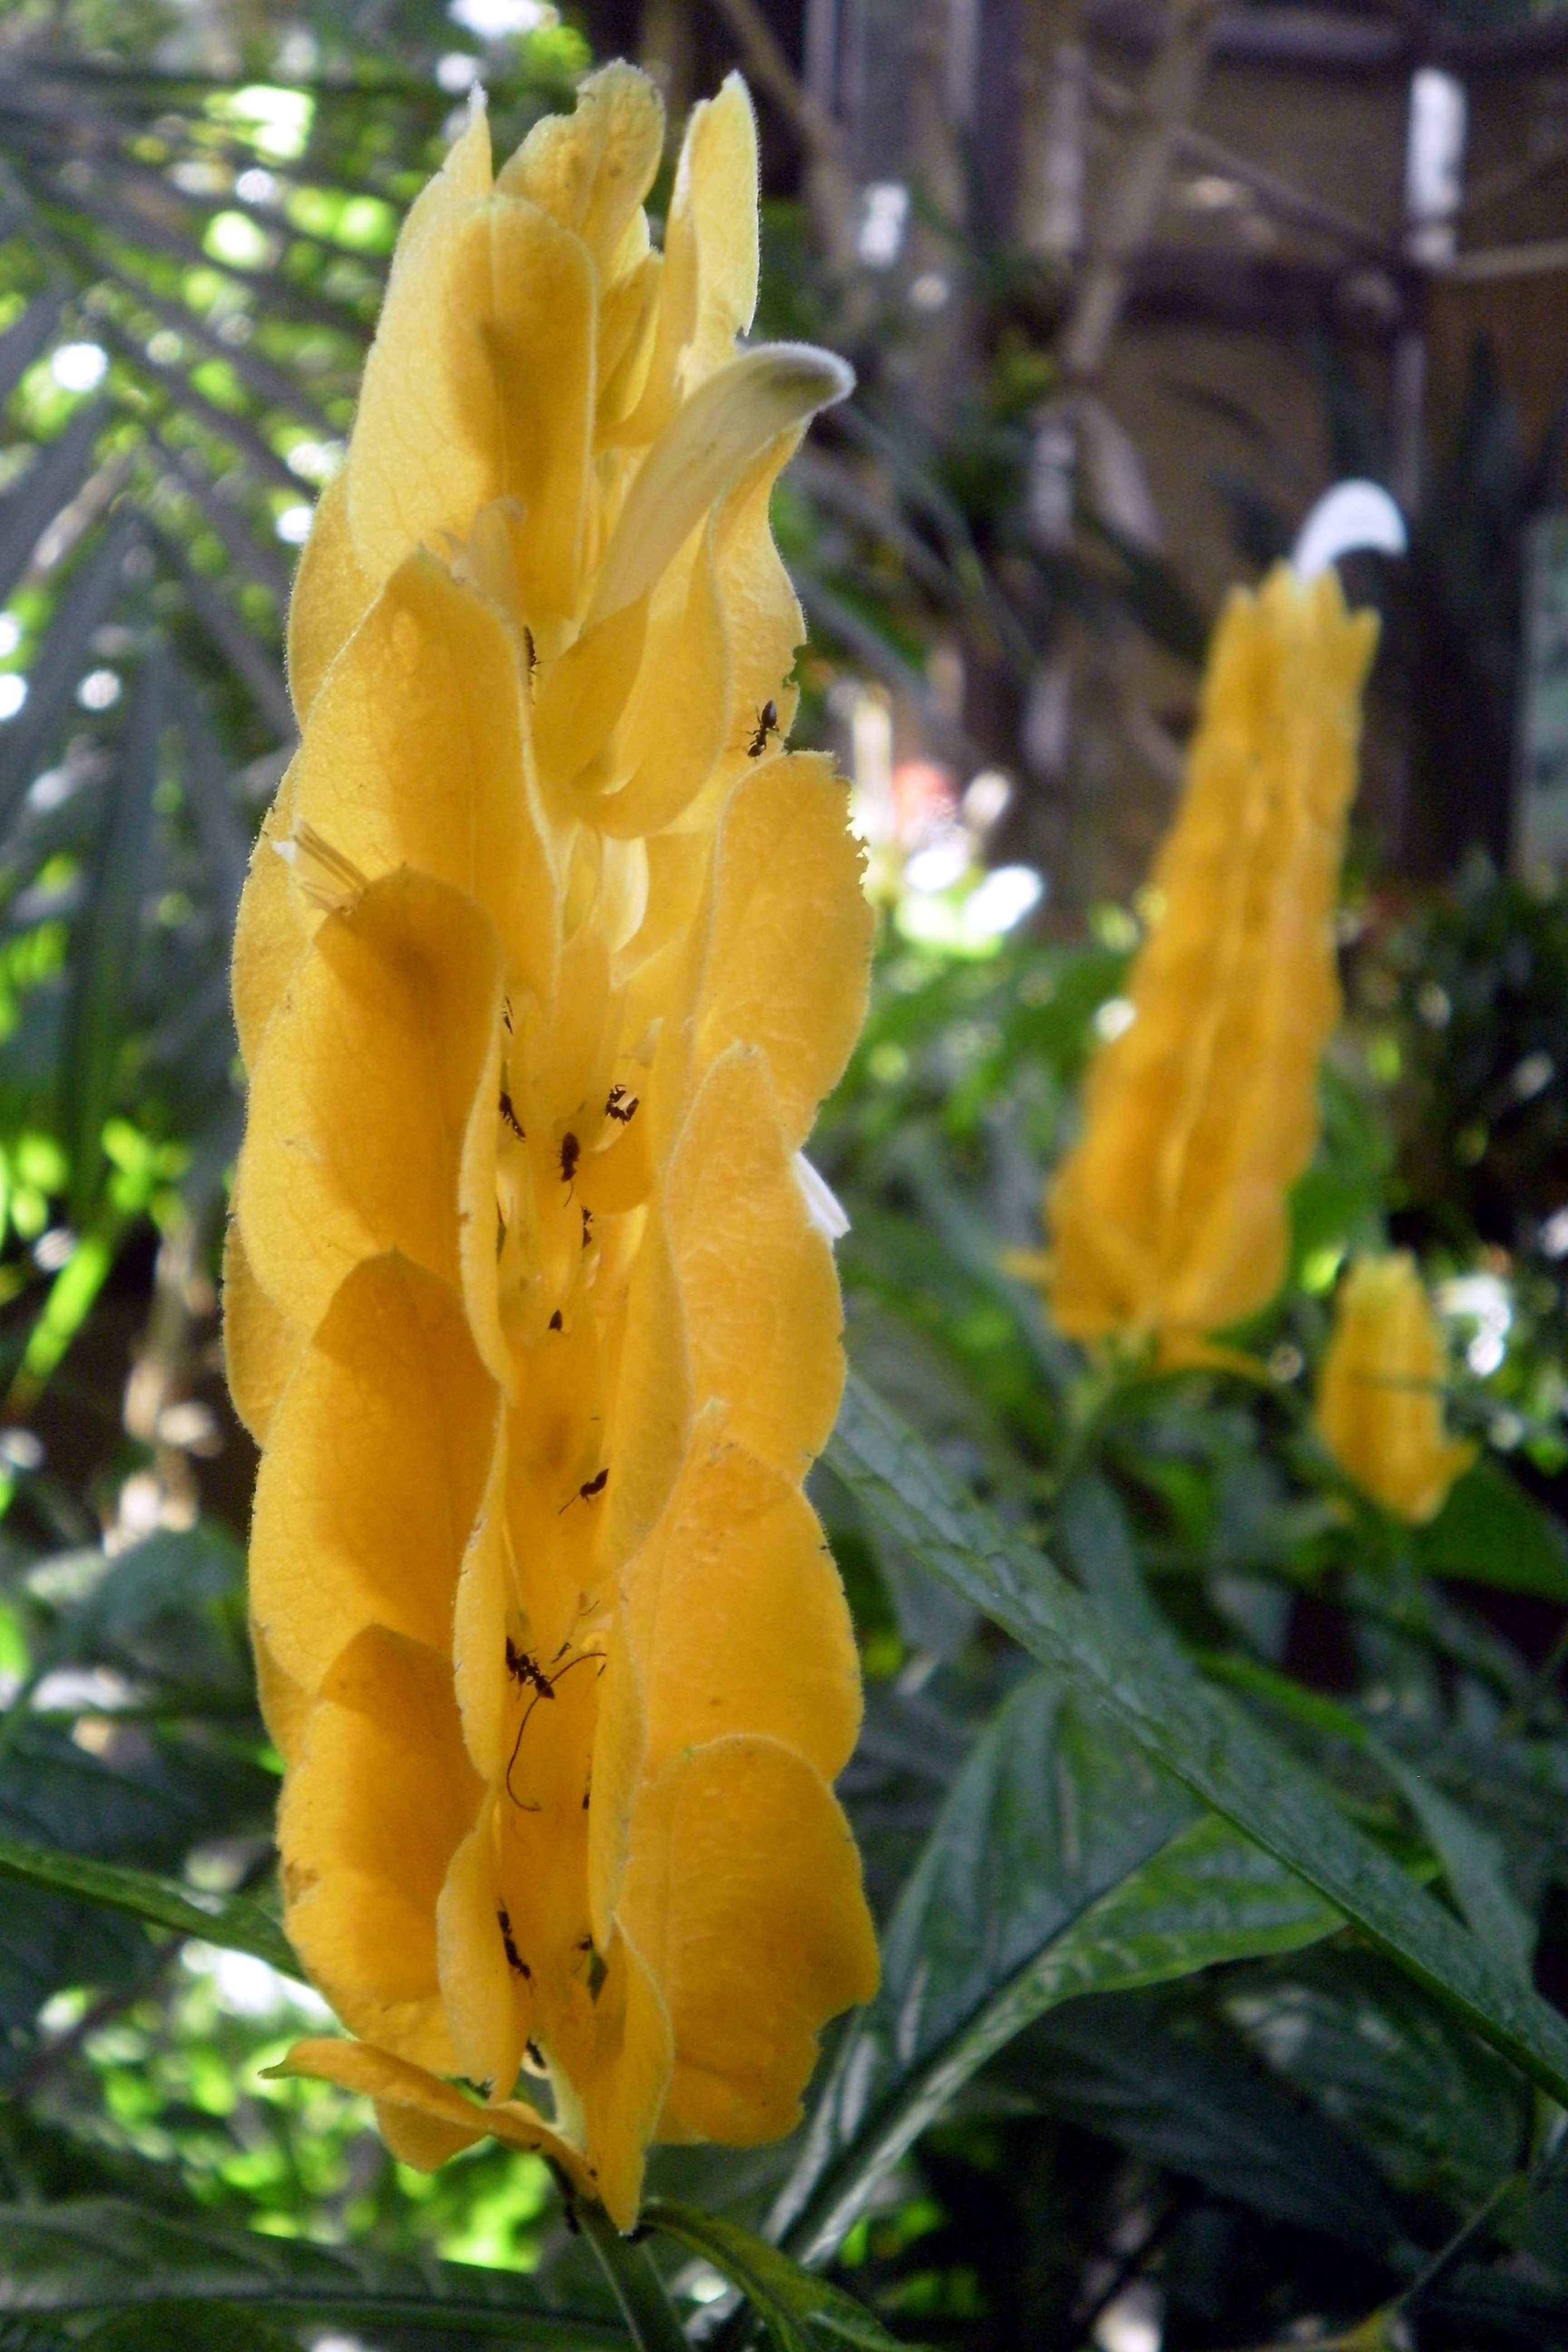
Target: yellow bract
x,y
1380,1392
1168,1220
545,962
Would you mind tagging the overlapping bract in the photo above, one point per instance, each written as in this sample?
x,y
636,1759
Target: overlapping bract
x,y
1380,1391
1168,1220
544,963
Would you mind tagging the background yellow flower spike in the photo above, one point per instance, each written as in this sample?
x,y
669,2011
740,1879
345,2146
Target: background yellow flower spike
x,y
1380,1391
1168,1220
546,960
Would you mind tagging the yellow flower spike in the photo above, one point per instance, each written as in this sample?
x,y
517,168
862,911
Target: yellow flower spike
x,y
546,959
1380,1391
1168,1220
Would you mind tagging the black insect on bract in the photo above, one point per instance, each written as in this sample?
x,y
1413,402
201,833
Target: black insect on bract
x,y
767,724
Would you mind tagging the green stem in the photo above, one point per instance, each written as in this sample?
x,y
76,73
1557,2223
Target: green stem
x,y
638,2288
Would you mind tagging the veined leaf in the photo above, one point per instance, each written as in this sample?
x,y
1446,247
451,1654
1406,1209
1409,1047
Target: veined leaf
x,y
1436,2110
799,2312
93,2256
1063,1862
1187,2095
231,1920
1191,1730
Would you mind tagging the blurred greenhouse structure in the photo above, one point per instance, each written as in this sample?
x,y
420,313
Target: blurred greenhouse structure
x,y
1144,297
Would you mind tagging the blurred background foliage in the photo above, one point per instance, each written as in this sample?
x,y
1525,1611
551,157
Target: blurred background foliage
x,y
1253,2134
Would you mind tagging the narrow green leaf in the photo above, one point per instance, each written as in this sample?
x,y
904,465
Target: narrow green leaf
x,y
1062,1863
21,344
56,475
1192,1731
1472,1863
106,936
241,649
800,2312
65,652
93,2256
232,1920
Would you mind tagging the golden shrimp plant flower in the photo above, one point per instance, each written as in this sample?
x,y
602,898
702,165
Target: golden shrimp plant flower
x,y
548,953
1380,1391
1168,1220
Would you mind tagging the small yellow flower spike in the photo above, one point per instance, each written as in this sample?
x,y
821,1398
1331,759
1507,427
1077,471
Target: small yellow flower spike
x,y
1380,1391
545,962
1168,1220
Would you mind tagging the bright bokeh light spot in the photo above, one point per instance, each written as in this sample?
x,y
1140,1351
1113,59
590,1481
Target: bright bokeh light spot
x,y
940,864
986,798
293,525
99,690
257,186
1007,894
13,694
316,461
1115,1017
1131,2322
234,239
495,20
276,120
1482,1300
10,634
248,1987
880,238
457,72
79,367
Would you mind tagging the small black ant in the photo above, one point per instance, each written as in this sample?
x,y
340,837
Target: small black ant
x,y
585,1494
571,1152
528,644
617,1107
587,1227
510,1117
767,724
514,1958
530,1675
555,1322
506,1013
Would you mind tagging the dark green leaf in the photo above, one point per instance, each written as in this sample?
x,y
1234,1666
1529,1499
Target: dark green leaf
x,y
800,2312
97,2256
1389,2065
1192,1731
1188,2095
1490,1532
1062,1863
1472,1861
231,1920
